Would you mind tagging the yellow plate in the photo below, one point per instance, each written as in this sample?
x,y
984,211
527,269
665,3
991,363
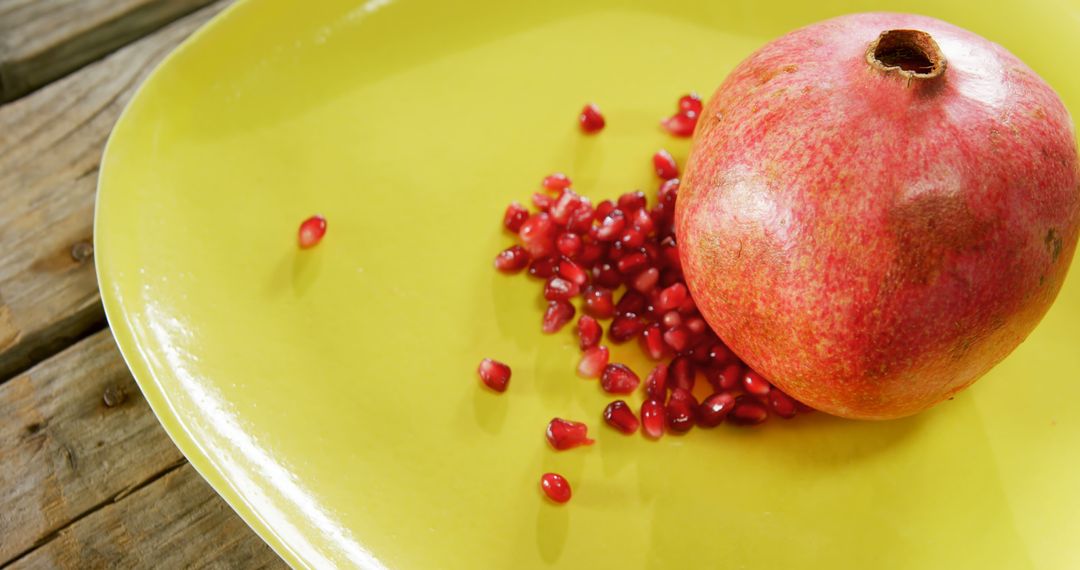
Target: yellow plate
x,y
330,395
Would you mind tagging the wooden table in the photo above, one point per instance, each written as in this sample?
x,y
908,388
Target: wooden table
x,y
88,479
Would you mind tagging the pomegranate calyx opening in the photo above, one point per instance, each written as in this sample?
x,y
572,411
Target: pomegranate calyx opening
x,y
910,54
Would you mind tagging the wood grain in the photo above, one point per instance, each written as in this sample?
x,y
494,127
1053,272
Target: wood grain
x,y
174,522
64,450
50,148
43,40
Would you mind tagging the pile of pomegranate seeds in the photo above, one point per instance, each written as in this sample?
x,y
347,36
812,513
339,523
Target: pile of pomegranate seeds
x,y
621,259
311,231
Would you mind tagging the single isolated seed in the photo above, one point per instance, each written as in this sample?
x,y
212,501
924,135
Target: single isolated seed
x,y
494,374
590,119
556,182
311,231
555,487
565,434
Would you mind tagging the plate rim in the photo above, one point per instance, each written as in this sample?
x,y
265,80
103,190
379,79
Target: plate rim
x,y
126,340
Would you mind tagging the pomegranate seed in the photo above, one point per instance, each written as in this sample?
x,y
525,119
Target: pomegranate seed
x,y
730,377
632,263
569,244
700,353
652,418
755,384
512,259
589,332
625,327
607,276
559,289
665,165
591,253
671,297
683,395
682,373
680,410
633,238
632,201
715,408
656,383
631,302
690,102
572,272
542,201
670,319
668,191
598,303
681,124
564,206
556,316
603,209
696,325
581,219
311,231
593,361
565,434
515,215
556,182
642,221
781,404
646,281
653,342
677,338
495,374
618,415
619,379
688,307
556,487
590,119
542,268
537,235
720,355
671,254
616,251
747,411
611,227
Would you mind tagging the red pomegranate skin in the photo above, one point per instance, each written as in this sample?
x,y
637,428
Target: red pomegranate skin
x,y
871,243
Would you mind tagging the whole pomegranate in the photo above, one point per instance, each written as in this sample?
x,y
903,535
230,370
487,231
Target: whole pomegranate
x,y
877,209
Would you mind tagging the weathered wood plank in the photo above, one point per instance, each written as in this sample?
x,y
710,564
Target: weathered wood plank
x,y
50,148
75,433
43,40
175,522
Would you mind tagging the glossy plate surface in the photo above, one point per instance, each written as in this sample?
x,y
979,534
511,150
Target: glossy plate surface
x,y
330,395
